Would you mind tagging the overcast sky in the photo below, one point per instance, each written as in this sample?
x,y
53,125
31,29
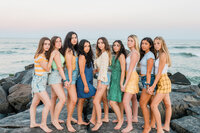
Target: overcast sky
x,y
173,19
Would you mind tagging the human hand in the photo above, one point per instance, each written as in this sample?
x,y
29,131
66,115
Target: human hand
x,y
86,89
150,90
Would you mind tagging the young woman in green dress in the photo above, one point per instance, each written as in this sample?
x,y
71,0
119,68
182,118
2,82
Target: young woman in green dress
x,y
117,78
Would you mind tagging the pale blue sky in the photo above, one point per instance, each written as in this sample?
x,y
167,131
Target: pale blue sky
x,y
115,19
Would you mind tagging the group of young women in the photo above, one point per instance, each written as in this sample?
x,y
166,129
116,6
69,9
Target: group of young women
x,y
72,66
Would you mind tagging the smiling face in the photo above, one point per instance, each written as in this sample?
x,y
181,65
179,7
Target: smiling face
x,y
116,47
101,44
157,44
130,43
86,47
145,46
74,39
46,45
58,43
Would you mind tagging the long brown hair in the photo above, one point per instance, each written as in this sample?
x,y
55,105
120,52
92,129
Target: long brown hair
x,y
40,48
164,49
107,48
53,41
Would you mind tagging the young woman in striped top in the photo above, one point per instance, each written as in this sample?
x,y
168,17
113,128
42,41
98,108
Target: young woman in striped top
x,y
41,67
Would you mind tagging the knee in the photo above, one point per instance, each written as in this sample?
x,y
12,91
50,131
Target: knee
x,y
48,104
53,98
95,101
142,104
73,101
111,103
104,99
153,106
167,105
63,100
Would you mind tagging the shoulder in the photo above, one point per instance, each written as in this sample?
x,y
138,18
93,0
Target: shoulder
x,y
104,55
81,57
162,56
150,55
122,57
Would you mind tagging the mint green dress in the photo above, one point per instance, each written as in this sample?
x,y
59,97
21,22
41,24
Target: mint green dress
x,y
115,93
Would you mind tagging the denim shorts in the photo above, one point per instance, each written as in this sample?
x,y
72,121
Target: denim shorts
x,y
54,77
108,82
74,76
39,83
144,79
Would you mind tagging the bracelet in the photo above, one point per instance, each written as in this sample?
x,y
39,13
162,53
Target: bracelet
x,y
147,83
64,81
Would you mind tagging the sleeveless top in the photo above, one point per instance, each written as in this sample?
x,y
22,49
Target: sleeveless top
x,y
143,62
157,65
54,66
74,62
128,63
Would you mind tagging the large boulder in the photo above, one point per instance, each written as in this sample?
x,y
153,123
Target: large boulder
x,y
4,104
187,124
7,85
27,78
29,67
19,96
18,77
179,78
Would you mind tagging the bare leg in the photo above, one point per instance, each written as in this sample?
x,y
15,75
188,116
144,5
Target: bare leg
x,y
80,111
117,111
58,89
73,99
168,112
33,107
144,99
153,121
47,105
105,106
93,117
67,102
135,108
154,107
97,99
127,107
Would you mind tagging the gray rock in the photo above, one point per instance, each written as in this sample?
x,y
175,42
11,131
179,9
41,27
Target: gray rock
x,y
7,85
19,96
199,85
179,78
4,104
187,124
18,77
29,67
193,111
27,78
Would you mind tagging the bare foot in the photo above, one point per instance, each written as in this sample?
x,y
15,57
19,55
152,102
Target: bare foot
x,y
146,130
32,125
119,125
93,122
127,129
115,121
74,120
135,120
165,128
61,121
97,126
82,123
45,128
105,120
57,125
70,128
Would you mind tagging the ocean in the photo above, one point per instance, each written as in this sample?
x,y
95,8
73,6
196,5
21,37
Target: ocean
x,y
17,53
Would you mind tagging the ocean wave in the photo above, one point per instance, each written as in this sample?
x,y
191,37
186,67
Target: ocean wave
x,y
7,52
184,47
185,54
19,48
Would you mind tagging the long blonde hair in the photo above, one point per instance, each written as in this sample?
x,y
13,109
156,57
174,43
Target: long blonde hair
x,y
164,49
40,48
107,48
135,38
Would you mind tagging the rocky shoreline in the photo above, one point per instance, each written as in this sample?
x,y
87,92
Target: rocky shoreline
x,y
15,100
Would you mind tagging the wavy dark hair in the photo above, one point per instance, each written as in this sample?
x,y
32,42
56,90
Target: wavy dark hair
x,y
53,41
121,51
40,48
150,41
68,45
89,55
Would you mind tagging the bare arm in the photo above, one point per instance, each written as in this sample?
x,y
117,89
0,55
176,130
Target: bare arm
x,y
149,69
160,69
134,58
46,66
123,65
68,58
59,65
